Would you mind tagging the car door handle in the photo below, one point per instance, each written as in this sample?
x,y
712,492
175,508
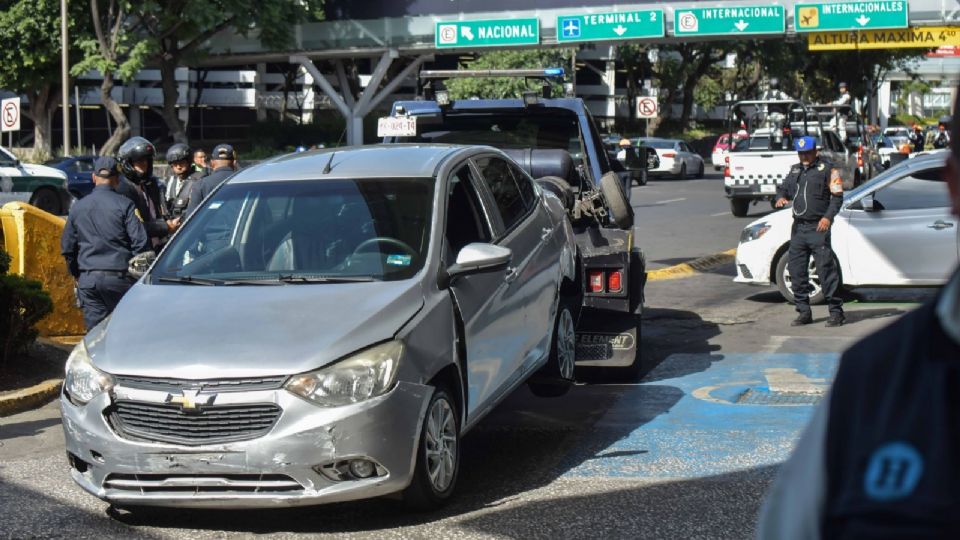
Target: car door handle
x,y
546,232
511,274
940,224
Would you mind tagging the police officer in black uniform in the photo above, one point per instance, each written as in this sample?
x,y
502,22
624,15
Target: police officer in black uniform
x,y
100,237
181,180
816,189
224,163
140,186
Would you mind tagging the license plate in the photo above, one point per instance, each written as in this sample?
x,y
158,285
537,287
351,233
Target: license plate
x,y
768,188
392,126
199,460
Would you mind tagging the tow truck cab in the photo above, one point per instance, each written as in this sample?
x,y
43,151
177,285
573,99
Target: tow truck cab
x,y
540,133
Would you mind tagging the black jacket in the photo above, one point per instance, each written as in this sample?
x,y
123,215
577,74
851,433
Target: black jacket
x,y
154,223
102,232
816,191
206,185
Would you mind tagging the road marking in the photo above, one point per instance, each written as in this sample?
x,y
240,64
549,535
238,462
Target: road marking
x,y
774,344
718,214
671,200
791,381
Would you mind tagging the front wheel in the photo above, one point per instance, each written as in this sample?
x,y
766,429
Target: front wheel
x,y
785,283
46,199
683,172
438,455
700,171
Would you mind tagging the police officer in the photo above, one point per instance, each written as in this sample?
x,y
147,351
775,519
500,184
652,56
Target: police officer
x,y
180,182
816,189
224,163
845,97
200,162
942,138
100,237
140,186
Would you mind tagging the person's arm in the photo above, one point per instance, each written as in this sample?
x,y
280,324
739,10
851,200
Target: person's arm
x,y
785,190
836,195
139,241
69,247
196,196
793,507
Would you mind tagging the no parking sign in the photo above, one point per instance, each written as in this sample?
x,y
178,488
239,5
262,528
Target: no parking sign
x,y
10,115
646,107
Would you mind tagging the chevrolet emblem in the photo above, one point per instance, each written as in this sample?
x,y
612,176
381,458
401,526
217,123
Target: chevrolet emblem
x,y
189,399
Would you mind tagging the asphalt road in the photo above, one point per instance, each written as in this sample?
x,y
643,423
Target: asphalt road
x,y
686,452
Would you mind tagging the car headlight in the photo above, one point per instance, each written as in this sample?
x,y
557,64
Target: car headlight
x,y
83,381
754,231
363,375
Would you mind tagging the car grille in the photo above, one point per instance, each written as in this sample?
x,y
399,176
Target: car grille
x,y
202,483
209,385
162,422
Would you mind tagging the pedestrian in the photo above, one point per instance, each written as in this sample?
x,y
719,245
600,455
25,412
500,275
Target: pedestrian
x,y
917,138
224,163
880,455
816,189
140,186
180,182
200,162
101,235
942,138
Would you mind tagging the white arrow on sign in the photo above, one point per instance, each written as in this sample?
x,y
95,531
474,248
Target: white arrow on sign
x,y
620,30
466,32
741,25
863,20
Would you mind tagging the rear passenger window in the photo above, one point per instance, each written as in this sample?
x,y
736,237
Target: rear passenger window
x,y
526,188
502,185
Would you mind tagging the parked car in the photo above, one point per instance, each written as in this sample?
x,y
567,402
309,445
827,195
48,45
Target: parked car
x,y
895,230
676,158
79,170
39,185
720,149
888,145
333,322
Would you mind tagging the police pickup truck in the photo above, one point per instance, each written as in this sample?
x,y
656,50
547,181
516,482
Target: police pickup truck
x,y
756,165
39,185
557,142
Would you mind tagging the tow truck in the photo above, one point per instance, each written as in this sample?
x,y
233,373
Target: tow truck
x,y
541,134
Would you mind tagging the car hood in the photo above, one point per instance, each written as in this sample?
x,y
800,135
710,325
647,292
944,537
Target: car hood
x,y
200,332
42,170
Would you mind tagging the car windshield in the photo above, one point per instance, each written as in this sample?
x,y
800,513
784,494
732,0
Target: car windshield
x,y
662,145
896,170
304,231
541,128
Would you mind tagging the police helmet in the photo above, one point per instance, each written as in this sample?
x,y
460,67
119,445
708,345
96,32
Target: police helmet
x,y
178,152
842,85
134,149
774,83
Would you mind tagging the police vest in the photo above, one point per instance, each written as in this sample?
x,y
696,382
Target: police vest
x,y
812,190
893,441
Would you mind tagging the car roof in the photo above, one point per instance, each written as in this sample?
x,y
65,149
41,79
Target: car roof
x,y
376,161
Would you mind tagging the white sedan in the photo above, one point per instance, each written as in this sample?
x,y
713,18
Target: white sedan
x,y
676,158
895,230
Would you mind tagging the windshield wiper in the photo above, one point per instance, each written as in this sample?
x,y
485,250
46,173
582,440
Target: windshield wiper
x,y
284,278
190,280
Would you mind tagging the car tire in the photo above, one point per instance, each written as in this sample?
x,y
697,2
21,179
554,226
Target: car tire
x,y
783,277
556,377
440,428
683,172
46,199
700,171
739,207
617,203
559,187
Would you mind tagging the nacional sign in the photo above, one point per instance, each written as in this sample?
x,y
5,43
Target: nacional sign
x,y
727,21
819,17
487,33
917,38
610,26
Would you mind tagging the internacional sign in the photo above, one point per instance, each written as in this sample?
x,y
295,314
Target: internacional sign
x,y
729,21
823,16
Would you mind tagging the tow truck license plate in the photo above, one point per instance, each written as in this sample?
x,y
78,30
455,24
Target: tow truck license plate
x,y
768,188
393,126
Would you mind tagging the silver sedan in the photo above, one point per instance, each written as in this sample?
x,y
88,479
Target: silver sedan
x,y
325,328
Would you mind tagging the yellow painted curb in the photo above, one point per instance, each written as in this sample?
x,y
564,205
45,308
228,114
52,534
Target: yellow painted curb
x,y
29,398
688,269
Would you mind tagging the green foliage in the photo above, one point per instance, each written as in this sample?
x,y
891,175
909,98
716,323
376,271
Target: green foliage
x,y
23,302
709,92
513,87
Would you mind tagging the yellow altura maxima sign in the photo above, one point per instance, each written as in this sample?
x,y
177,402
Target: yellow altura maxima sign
x,y
904,38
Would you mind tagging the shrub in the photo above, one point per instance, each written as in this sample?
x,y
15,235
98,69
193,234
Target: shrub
x,y
23,302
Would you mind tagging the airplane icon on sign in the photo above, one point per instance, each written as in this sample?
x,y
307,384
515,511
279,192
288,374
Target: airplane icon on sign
x,y
571,28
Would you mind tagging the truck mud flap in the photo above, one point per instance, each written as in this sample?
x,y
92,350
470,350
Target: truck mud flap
x,y
607,339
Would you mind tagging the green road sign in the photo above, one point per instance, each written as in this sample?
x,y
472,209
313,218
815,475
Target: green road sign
x,y
487,33
825,16
732,20
610,26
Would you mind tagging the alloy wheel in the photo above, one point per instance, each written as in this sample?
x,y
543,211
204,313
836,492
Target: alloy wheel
x,y
441,445
812,275
566,344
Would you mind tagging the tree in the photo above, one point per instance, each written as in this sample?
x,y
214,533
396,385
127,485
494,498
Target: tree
x,y
177,30
113,50
506,87
30,57
679,71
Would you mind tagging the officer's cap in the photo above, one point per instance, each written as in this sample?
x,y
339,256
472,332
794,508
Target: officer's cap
x,y
805,144
106,167
842,85
223,151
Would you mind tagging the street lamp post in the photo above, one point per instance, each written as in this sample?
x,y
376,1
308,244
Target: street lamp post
x,y
65,76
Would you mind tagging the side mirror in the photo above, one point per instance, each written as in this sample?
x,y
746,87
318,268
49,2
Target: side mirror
x,y
868,204
139,264
476,258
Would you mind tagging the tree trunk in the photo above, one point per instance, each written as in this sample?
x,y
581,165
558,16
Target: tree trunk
x,y
171,94
122,130
43,104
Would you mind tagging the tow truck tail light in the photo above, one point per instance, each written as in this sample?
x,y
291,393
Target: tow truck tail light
x,y
669,154
595,281
615,281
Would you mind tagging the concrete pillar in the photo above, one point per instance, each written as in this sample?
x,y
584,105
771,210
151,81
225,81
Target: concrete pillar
x,y
309,97
355,131
883,104
182,75
610,80
915,104
259,92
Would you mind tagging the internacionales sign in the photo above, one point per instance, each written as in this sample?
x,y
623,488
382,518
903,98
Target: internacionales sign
x,y
920,38
816,17
725,21
610,26
487,33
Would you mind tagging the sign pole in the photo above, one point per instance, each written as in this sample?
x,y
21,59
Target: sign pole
x,y
65,77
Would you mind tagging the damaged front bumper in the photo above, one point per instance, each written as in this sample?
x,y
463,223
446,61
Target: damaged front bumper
x,y
303,458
